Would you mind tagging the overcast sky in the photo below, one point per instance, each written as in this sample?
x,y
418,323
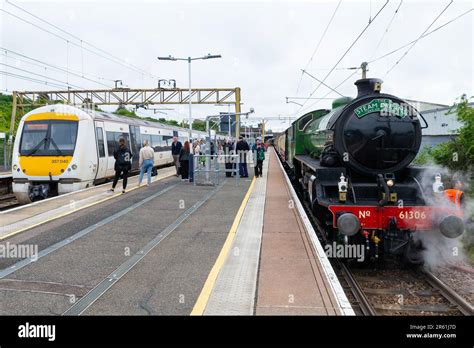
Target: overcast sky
x,y
263,44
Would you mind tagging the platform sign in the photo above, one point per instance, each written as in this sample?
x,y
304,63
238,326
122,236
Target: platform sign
x,y
224,123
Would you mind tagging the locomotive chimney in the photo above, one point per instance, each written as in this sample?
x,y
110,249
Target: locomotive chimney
x,y
368,86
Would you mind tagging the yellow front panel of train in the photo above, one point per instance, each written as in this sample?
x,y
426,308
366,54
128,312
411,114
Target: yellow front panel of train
x,y
44,165
38,127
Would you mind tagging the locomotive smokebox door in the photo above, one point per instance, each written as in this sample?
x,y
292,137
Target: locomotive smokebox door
x,y
380,133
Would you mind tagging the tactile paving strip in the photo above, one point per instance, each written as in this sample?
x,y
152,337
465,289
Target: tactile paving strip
x,y
235,287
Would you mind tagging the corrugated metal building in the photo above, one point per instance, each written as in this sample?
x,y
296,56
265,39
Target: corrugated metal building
x,y
441,126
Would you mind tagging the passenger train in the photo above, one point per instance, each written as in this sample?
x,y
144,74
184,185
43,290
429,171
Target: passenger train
x,y
352,164
61,148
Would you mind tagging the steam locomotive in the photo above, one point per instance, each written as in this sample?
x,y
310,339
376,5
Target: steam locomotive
x,y
352,165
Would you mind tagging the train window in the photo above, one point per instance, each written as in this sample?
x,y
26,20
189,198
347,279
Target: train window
x,y
125,136
304,121
110,142
156,142
146,137
113,139
167,140
100,141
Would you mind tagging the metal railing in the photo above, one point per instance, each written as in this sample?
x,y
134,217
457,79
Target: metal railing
x,y
212,166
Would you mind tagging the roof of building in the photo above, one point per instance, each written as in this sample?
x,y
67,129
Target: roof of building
x,y
425,106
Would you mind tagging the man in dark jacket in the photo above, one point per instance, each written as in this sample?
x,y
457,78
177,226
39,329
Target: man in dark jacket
x,y
175,151
123,163
242,149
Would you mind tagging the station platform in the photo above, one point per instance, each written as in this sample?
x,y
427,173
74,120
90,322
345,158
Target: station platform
x,y
236,248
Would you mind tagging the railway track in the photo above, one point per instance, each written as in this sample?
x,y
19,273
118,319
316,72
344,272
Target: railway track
x,y
404,292
399,292
8,201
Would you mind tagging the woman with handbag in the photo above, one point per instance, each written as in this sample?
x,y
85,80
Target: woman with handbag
x,y
147,156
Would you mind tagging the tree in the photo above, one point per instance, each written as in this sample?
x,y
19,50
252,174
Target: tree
x,y
458,153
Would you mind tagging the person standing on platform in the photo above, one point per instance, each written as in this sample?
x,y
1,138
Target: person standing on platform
x,y
197,148
258,150
202,152
175,151
242,149
184,161
147,156
228,150
123,163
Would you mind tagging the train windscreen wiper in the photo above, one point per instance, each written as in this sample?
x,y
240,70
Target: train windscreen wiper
x,y
51,140
37,147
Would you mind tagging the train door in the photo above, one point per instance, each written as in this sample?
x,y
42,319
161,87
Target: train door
x,y
135,145
101,168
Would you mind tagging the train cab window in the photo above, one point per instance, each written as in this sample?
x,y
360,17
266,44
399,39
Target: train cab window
x,y
49,138
64,135
100,141
304,121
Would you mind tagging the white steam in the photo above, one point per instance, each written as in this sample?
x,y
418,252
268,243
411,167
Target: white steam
x,y
440,251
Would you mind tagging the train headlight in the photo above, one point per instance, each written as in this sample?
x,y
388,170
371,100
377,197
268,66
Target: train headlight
x,y
15,167
390,183
74,166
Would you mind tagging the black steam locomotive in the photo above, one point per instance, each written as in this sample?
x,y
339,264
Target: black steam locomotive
x,y
352,164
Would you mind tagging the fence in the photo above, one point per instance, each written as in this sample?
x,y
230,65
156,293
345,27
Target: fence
x,y
5,152
208,169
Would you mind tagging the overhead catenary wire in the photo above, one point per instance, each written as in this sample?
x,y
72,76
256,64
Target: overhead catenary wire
x,y
347,51
332,89
43,76
115,60
318,44
79,39
324,97
418,39
387,28
27,78
39,63
422,37
396,50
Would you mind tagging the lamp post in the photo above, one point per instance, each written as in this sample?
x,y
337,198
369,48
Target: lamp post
x,y
189,60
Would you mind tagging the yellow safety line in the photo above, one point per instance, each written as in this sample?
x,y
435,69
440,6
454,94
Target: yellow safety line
x,y
74,210
203,298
